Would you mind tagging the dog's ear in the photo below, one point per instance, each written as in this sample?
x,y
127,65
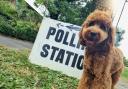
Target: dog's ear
x,y
81,39
109,42
111,37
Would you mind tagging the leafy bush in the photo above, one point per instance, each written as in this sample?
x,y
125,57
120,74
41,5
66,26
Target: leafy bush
x,y
25,31
7,9
29,15
5,27
20,29
21,23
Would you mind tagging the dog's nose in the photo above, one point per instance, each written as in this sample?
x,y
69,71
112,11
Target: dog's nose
x,y
93,34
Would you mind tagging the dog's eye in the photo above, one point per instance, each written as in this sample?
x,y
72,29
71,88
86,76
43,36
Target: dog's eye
x,y
102,26
91,23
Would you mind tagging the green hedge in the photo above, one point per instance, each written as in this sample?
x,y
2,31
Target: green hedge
x,y
25,31
18,24
8,9
20,29
5,27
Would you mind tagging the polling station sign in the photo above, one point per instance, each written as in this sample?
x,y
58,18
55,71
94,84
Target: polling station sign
x,y
57,48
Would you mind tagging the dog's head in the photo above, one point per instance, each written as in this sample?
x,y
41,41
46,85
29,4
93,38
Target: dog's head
x,y
97,29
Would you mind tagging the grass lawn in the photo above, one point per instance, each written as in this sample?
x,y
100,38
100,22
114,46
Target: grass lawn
x,y
17,73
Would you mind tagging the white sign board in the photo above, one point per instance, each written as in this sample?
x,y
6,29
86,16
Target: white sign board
x,y
57,48
41,9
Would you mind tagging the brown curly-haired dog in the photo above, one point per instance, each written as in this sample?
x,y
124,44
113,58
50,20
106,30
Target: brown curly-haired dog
x,y
103,62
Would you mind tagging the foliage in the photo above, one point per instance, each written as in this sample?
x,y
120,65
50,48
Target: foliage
x,y
22,23
126,62
125,74
19,29
25,31
7,9
71,11
20,11
85,11
125,71
16,72
5,27
27,13
119,34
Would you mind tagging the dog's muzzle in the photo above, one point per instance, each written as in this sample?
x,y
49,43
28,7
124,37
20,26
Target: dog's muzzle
x,y
91,38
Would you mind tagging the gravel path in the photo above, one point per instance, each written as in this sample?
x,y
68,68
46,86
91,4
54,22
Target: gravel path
x,y
122,85
19,44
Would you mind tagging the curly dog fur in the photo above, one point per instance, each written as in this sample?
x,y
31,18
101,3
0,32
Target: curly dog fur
x,y
103,62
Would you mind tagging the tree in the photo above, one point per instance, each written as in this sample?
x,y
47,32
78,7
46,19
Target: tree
x,y
71,11
119,34
87,9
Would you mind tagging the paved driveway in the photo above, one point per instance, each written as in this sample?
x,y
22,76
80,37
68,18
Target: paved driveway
x,y
15,43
